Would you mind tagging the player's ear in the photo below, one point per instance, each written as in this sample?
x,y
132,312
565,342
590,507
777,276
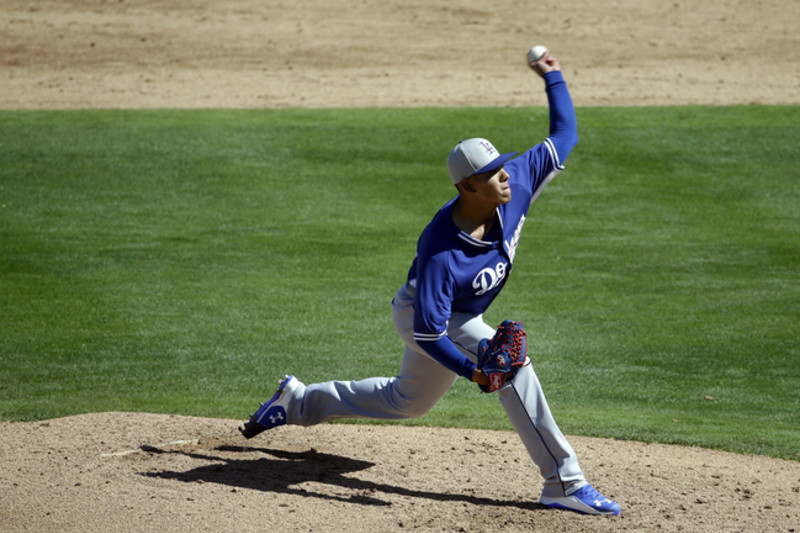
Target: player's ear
x,y
466,185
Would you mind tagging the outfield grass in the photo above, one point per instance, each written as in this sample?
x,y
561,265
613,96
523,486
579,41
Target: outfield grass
x,y
183,261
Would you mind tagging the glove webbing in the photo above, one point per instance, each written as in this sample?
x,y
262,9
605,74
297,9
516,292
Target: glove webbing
x,y
514,342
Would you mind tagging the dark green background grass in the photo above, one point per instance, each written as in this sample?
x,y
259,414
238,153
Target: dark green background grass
x,y
183,261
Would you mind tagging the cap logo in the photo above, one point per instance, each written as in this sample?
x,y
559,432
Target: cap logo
x,y
490,150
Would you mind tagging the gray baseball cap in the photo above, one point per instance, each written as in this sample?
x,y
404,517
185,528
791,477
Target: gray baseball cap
x,y
474,156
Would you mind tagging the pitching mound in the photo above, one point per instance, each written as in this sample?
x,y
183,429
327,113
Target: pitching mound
x,y
135,472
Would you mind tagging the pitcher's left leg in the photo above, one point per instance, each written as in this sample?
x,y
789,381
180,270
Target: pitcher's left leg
x,y
565,486
524,402
527,409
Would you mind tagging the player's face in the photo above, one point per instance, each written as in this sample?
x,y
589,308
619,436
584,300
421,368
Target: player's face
x,y
492,188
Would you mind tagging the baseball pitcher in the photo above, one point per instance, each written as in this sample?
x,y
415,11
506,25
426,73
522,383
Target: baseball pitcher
x,y
464,258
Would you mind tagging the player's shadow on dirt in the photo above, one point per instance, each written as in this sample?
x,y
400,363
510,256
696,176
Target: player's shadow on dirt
x,y
285,471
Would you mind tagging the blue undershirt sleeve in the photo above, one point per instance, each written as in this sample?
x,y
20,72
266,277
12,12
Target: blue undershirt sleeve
x,y
446,353
563,122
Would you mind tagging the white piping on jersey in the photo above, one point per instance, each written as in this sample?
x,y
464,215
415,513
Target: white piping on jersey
x,y
551,148
553,173
469,239
429,337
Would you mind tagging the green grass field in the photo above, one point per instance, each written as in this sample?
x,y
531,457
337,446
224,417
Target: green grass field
x,y
183,261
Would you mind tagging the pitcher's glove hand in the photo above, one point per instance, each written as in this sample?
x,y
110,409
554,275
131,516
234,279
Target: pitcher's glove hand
x,y
501,356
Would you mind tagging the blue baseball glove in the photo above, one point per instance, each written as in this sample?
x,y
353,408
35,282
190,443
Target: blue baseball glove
x,y
501,356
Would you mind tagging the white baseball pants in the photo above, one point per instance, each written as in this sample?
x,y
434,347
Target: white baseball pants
x,y
422,381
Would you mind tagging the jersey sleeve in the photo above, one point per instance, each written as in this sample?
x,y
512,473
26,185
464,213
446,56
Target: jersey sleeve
x,y
563,121
537,166
434,297
435,288
445,352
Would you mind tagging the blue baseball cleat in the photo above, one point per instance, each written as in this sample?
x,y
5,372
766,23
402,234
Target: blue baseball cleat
x,y
584,500
272,413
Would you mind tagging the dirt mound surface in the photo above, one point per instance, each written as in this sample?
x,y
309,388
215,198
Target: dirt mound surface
x,y
344,53
135,472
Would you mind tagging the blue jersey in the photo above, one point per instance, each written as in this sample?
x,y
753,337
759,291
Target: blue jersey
x,y
455,272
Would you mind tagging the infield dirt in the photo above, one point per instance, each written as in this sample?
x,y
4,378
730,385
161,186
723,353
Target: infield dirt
x,y
147,472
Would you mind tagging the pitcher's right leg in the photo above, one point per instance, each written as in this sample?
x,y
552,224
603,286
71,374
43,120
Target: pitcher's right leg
x,y
420,383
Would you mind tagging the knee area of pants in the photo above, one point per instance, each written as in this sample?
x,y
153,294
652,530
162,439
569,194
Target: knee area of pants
x,y
408,407
416,411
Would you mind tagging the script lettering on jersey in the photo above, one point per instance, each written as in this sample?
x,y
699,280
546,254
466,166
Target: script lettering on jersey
x,y
511,247
489,278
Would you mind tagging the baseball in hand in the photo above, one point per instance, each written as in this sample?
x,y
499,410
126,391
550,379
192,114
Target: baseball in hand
x,y
536,53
